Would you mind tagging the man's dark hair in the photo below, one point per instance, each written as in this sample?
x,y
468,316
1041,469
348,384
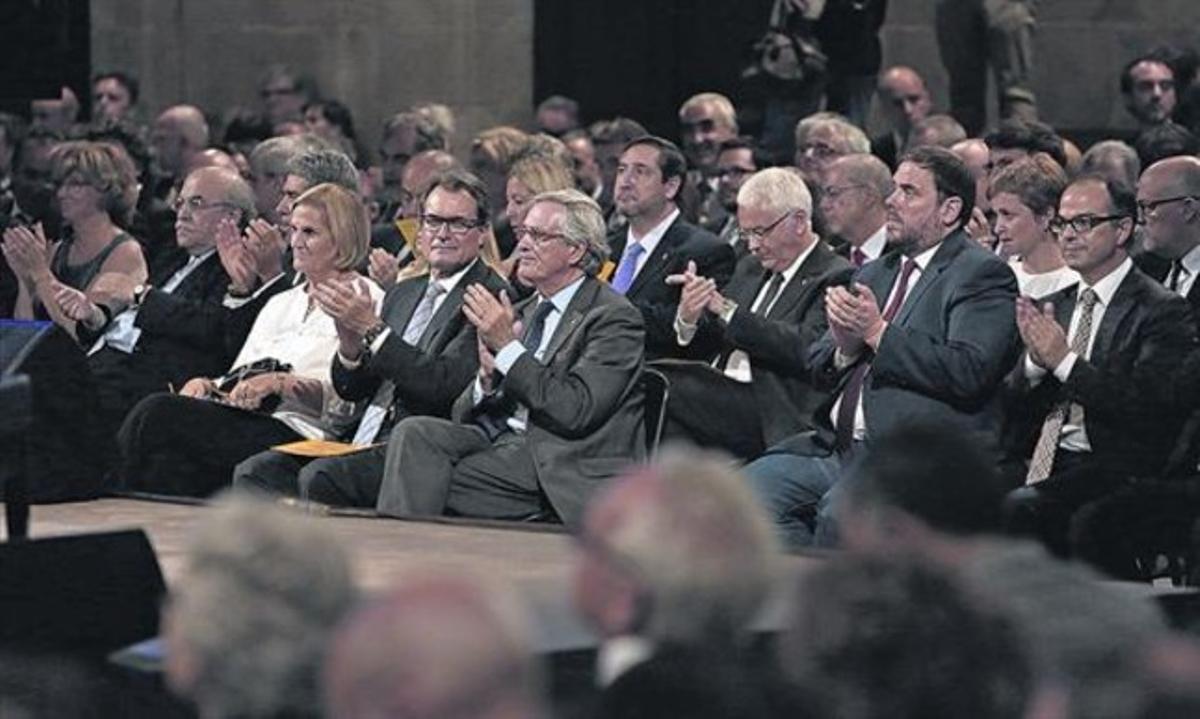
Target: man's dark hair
x,y
1166,139
937,474
670,160
1163,55
1028,135
1121,197
617,131
124,79
246,126
459,180
744,142
892,637
337,114
950,175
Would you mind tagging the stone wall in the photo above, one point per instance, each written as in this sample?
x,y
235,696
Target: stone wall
x,y
377,56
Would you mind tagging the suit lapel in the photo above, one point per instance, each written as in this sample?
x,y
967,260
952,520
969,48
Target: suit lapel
x,y
814,265
407,297
941,259
571,319
1124,300
450,307
656,264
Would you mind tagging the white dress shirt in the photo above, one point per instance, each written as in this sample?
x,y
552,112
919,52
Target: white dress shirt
x,y
1190,268
123,333
1041,284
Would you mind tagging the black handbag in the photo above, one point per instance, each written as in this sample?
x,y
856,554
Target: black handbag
x,y
226,382
788,54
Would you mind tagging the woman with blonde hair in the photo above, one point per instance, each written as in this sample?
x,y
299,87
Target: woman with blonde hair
x,y
532,174
97,191
279,389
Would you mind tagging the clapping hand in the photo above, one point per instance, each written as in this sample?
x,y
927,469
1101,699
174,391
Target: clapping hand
x,y
1044,338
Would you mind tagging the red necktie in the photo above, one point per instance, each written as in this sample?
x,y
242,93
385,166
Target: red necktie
x,y
853,390
858,257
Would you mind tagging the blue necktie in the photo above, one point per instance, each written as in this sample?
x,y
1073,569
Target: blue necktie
x,y
628,268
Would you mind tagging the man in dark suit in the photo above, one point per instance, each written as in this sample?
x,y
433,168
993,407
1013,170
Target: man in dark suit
x,y
658,242
924,334
1095,382
154,336
412,358
555,409
758,327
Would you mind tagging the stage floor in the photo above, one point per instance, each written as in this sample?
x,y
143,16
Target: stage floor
x,y
537,563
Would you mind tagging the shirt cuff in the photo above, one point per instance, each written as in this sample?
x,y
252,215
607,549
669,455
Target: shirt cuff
x,y
508,355
1063,370
379,340
685,332
231,302
1033,372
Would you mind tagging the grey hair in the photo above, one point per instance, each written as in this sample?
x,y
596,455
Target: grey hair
x,y
583,225
323,166
700,547
723,106
851,138
271,156
262,593
1112,154
777,190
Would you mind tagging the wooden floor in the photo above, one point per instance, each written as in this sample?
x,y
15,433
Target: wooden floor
x,y
537,563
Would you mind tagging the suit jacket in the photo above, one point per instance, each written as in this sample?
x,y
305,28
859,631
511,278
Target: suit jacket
x,y
651,294
183,331
1158,269
942,359
1130,413
429,376
778,344
585,404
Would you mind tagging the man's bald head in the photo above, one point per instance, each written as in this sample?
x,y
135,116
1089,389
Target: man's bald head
x,y
904,96
179,133
1168,196
438,646
418,173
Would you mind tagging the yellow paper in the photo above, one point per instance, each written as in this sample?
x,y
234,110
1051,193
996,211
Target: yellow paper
x,y
606,270
408,228
317,448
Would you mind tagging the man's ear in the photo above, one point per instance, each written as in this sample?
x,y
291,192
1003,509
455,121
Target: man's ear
x,y
949,211
1126,226
673,186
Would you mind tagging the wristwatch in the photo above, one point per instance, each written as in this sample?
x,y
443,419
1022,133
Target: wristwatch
x,y
728,307
139,294
372,334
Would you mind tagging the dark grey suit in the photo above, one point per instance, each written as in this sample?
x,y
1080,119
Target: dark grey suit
x,y
781,399
427,378
942,359
651,294
584,424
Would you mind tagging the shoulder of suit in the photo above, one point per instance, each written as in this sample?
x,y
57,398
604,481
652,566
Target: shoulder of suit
x,y
693,236
1151,288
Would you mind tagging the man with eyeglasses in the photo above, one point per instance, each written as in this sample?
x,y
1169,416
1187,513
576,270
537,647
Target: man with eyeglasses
x,y
413,358
923,334
555,409
753,334
154,336
737,160
658,242
1168,195
1094,402
852,202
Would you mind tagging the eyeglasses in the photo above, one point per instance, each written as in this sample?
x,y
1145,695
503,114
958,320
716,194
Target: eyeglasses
x,y
538,236
1147,208
457,226
757,233
196,203
1081,224
835,191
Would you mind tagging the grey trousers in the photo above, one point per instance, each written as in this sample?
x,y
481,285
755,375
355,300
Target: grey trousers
x,y
434,465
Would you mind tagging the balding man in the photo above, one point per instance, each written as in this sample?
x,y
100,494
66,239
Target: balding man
x,y
158,335
675,561
438,646
905,101
179,133
706,120
853,205
1168,200
753,333
391,249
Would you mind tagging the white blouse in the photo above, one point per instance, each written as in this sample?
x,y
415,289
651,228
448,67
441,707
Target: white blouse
x,y
288,330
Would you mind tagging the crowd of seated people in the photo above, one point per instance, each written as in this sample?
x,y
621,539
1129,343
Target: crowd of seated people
x,y
263,305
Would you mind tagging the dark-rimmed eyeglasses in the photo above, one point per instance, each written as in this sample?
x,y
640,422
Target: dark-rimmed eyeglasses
x,y
1081,224
1147,208
196,203
456,226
